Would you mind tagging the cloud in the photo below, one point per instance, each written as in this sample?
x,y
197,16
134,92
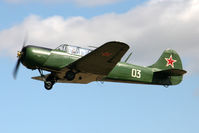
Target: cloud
x,y
148,29
78,2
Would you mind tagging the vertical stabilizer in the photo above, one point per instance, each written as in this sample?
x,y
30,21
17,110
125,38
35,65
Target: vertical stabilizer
x,y
168,60
168,69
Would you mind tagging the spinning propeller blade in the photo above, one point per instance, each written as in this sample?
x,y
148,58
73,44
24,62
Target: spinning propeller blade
x,y
16,69
19,56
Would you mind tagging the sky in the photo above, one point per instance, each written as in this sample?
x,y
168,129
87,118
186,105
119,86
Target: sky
x,y
147,26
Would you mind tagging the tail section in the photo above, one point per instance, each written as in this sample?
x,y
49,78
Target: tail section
x,y
168,69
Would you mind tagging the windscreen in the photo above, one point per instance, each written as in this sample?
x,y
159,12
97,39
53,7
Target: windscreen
x,y
74,50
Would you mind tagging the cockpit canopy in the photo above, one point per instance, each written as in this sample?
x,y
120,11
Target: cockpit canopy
x,y
75,50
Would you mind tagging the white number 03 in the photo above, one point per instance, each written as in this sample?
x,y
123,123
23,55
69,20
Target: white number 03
x,y
136,73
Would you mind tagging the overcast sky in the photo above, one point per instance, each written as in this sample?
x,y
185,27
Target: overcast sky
x,y
148,26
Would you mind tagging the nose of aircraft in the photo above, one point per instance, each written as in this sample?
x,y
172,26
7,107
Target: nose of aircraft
x,y
33,57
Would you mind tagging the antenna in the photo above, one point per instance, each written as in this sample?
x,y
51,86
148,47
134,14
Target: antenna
x,y
128,57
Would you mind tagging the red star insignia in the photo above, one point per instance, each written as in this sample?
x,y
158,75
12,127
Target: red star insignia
x,y
106,54
170,61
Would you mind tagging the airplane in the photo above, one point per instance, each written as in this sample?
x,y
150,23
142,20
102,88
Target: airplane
x,y
73,64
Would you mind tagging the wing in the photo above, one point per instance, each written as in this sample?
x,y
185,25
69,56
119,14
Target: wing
x,y
102,60
41,78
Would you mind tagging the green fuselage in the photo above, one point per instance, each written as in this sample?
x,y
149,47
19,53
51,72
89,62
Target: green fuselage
x,y
55,60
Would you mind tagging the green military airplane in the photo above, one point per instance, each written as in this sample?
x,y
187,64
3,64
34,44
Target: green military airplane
x,y
71,64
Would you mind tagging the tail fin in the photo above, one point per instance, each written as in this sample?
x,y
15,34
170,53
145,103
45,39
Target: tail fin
x,y
168,69
168,60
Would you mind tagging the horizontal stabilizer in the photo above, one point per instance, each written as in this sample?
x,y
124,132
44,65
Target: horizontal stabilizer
x,y
171,72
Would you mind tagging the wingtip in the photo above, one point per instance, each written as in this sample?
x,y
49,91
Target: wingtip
x,y
121,43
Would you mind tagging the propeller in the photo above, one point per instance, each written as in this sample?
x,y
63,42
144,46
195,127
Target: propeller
x,y
16,69
19,56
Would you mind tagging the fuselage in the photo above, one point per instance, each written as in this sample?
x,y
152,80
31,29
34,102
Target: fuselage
x,y
54,60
